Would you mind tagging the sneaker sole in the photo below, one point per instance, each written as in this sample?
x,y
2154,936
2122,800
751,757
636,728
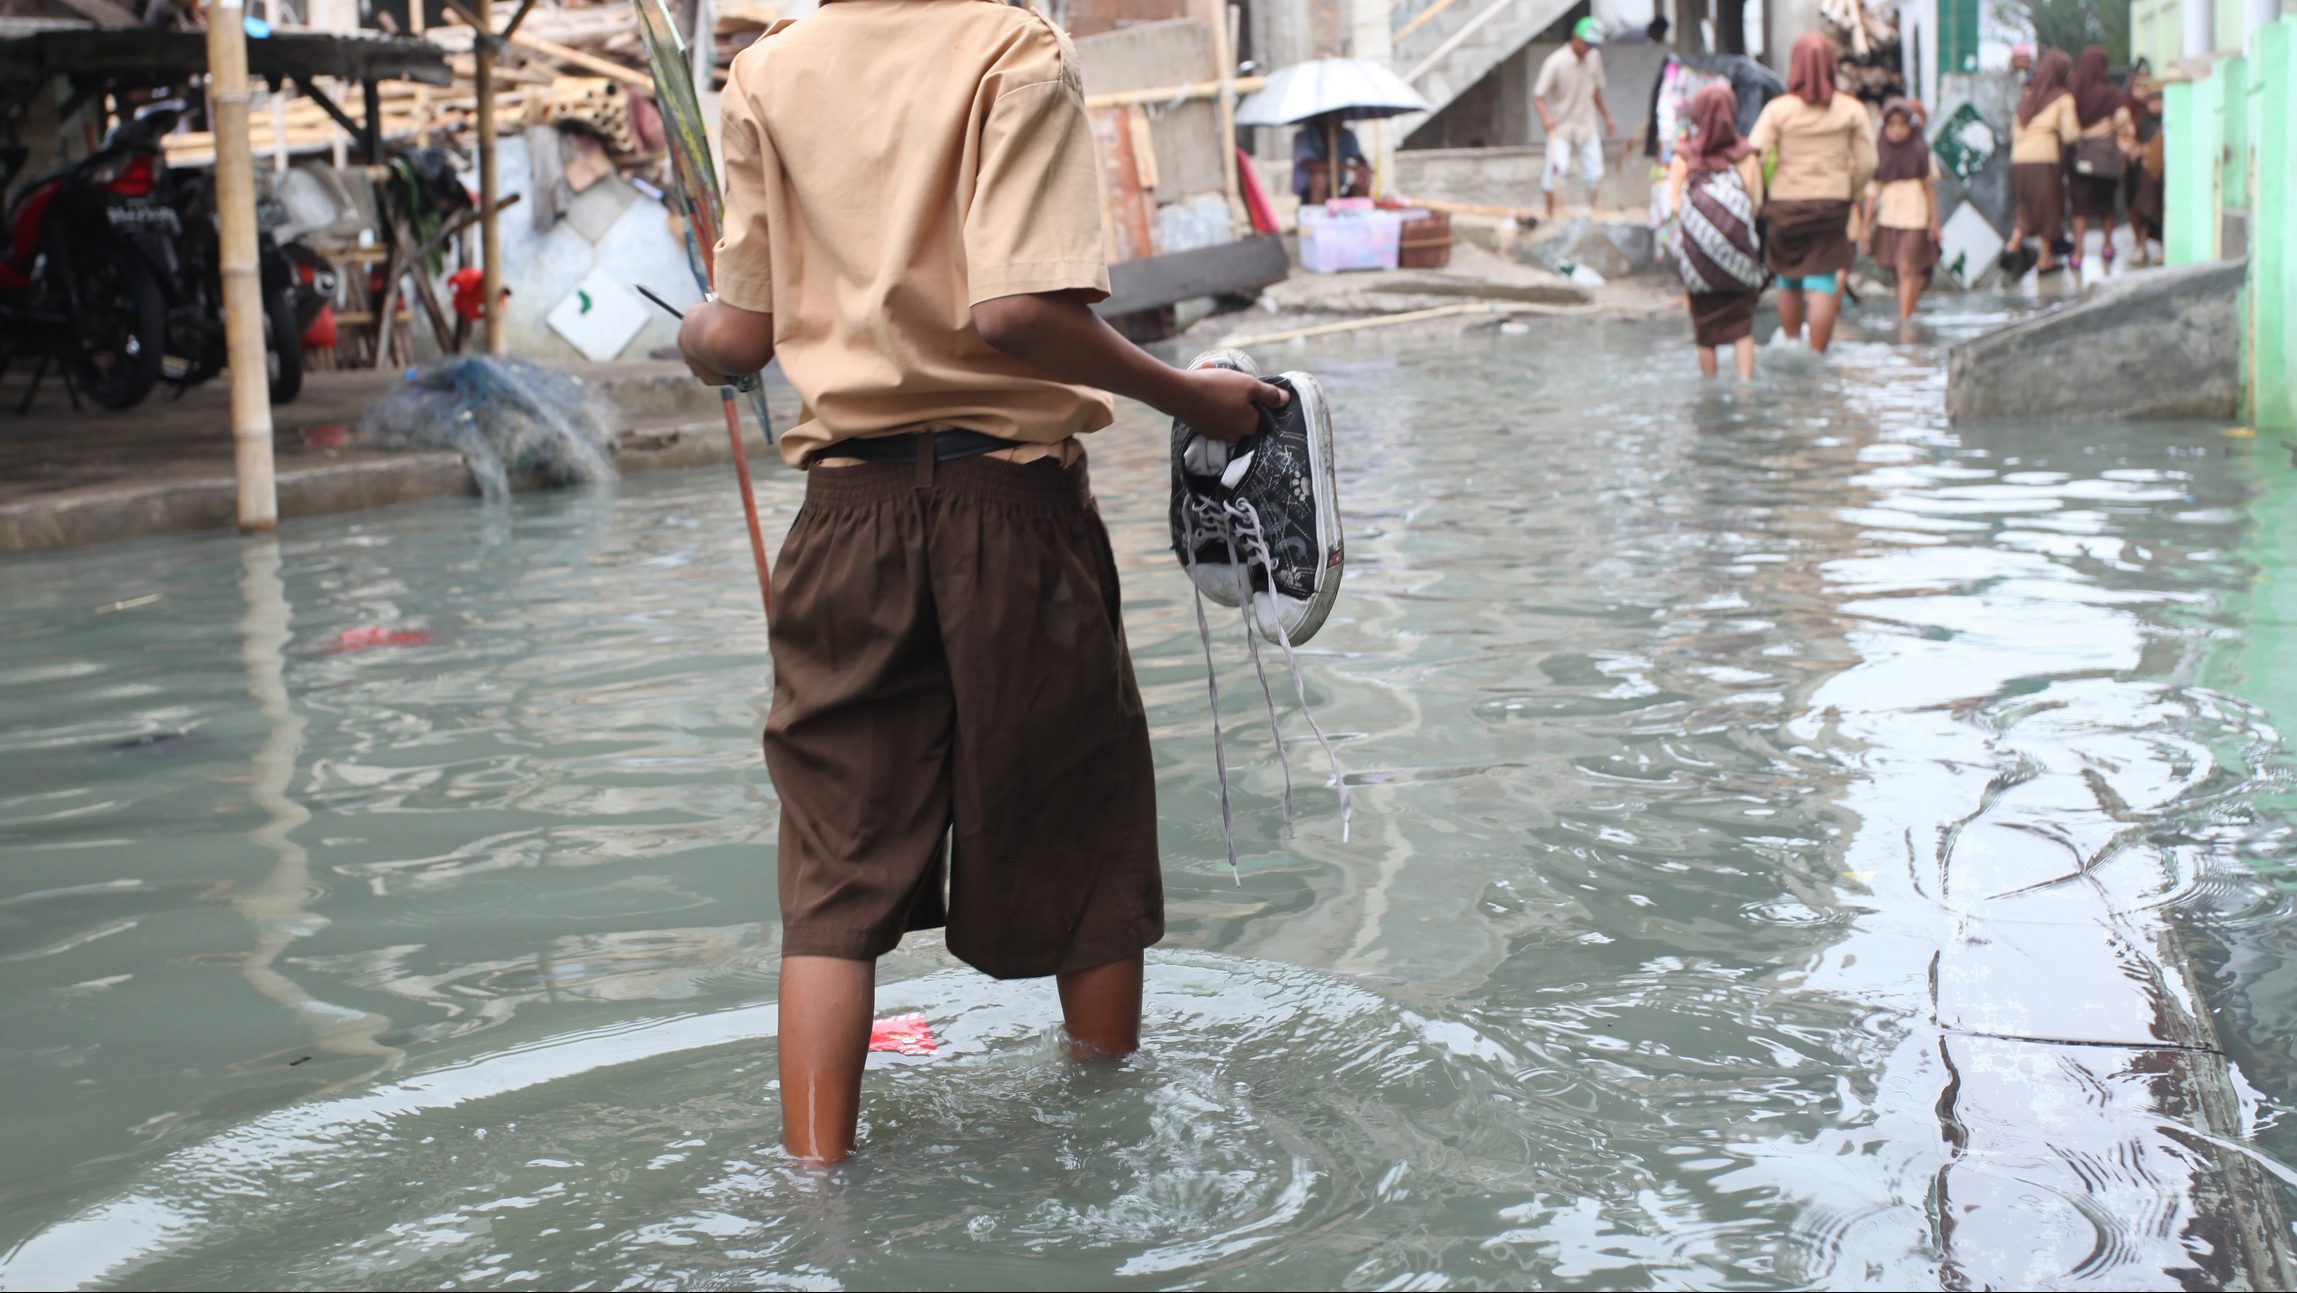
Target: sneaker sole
x,y
1324,489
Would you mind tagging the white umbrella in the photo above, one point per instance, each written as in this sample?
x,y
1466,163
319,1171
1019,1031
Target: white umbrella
x,y
1350,87
1332,89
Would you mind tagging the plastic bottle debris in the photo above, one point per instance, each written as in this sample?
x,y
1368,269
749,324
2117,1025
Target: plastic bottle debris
x,y
507,417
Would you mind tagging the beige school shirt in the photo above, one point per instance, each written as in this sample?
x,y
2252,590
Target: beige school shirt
x,y
1568,85
2047,137
890,164
1903,204
1825,154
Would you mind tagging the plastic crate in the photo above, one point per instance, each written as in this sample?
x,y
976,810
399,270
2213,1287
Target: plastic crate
x,y
1333,242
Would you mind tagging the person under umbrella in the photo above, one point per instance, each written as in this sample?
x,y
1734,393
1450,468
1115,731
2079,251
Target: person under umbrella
x,y
1320,95
1312,171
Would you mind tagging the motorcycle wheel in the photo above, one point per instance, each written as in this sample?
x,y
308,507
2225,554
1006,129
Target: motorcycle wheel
x,y
122,331
283,346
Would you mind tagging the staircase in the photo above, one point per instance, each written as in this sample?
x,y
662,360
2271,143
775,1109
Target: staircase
x,y
1446,54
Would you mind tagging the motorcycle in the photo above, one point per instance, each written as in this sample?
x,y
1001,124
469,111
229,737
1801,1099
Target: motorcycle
x,y
196,349
73,286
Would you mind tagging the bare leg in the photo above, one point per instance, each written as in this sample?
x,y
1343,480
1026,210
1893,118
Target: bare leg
x,y
1823,308
1707,365
825,1007
1743,350
2081,232
1909,291
1101,1008
1551,204
1791,312
2106,238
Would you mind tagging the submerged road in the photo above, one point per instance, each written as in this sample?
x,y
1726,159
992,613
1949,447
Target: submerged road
x,y
1797,844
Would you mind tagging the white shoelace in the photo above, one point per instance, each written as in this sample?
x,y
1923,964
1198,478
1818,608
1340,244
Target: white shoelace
x,y
1237,524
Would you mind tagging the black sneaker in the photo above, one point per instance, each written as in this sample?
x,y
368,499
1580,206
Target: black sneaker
x,y
1262,514
1258,522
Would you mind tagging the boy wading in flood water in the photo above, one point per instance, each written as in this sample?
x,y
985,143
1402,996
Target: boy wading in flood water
x,y
913,228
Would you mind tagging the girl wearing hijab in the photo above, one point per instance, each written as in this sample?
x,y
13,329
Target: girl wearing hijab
x,y
2047,126
1824,146
2102,111
1715,187
1902,203
2144,146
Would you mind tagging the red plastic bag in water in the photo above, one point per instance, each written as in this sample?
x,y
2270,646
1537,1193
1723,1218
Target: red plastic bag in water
x,y
902,1035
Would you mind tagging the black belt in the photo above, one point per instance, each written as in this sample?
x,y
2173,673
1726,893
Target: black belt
x,y
948,446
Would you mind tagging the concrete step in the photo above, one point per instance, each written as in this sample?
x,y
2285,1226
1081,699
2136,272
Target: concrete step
x,y
1462,44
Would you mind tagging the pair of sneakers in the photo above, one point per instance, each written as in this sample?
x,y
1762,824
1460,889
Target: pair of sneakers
x,y
1256,524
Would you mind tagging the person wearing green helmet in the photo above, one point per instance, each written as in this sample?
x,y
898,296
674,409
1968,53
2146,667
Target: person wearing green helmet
x,y
1569,97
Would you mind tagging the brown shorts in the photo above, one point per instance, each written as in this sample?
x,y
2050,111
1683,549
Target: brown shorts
x,y
949,661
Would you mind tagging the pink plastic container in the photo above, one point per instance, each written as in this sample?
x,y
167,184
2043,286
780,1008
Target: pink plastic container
x,y
1333,242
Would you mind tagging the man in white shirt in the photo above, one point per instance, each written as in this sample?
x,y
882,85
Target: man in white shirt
x,y
1569,97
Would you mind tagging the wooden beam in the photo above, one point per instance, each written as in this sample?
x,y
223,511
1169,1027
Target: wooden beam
x,y
1154,282
1182,93
570,56
104,13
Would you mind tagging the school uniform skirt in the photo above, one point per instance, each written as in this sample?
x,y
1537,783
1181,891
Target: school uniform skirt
x,y
1907,251
2093,196
1807,236
1722,318
2040,191
2144,198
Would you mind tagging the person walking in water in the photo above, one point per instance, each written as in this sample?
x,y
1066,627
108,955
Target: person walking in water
x,y
2146,169
1715,189
1824,146
1569,98
1902,203
956,736
2101,154
2046,127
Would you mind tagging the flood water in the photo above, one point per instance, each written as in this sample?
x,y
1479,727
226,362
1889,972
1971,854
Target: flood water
x,y
450,962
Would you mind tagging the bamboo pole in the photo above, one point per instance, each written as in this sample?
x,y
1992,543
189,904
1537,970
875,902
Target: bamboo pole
x,y
1185,92
490,209
1242,340
1224,49
242,280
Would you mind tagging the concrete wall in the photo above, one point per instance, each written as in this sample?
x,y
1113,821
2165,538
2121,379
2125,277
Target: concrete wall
x,y
2160,344
609,224
2232,189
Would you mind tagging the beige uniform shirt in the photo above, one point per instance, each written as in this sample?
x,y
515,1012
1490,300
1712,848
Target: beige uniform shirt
x,y
889,164
1825,154
1903,204
2046,138
1568,85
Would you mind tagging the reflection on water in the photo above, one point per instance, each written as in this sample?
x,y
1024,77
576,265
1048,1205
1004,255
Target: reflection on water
x,y
1743,780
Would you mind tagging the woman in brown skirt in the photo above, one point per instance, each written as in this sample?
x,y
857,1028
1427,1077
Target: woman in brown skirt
x,y
1902,203
1824,143
2046,128
2100,155
1715,187
2145,172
